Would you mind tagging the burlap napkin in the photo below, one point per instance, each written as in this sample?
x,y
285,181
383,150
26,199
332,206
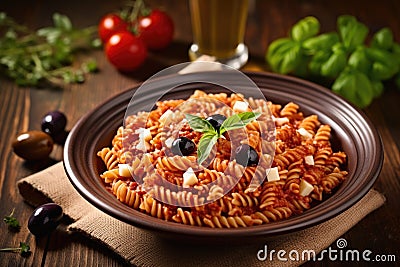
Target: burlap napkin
x,y
142,248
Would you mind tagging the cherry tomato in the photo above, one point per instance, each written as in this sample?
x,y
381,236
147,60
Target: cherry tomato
x,y
156,29
125,51
109,25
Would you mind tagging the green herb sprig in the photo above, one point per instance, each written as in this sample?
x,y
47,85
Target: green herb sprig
x,y
12,222
45,56
210,134
342,58
24,249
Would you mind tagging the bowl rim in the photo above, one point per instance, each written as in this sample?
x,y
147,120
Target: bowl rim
x,y
291,224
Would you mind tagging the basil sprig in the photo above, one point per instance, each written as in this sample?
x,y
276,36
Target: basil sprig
x,y
357,70
199,124
210,134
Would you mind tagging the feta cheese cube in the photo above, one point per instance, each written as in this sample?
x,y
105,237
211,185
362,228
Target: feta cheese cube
x,y
169,142
273,174
280,121
189,178
304,133
124,170
240,106
309,160
144,134
143,145
165,116
305,188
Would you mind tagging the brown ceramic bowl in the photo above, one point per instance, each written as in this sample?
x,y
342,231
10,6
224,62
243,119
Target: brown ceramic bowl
x,y
352,132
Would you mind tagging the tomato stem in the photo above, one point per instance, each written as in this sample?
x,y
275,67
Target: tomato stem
x,y
133,11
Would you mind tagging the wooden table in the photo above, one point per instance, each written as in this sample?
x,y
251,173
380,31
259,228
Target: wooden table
x,y
21,109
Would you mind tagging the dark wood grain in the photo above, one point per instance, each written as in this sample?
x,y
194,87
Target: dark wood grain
x,y
21,109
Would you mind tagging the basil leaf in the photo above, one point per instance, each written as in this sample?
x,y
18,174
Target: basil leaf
x,y
335,63
317,61
305,28
359,60
210,135
238,121
384,64
199,124
396,51
348,84
383,39
323,41
301,69
206,143
352,32
284,55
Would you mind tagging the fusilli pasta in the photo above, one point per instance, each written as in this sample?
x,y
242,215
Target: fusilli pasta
x,y
143,173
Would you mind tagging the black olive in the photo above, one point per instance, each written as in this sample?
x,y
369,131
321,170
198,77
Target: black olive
x,y
246,155
216,120
53,123
44,219
183,146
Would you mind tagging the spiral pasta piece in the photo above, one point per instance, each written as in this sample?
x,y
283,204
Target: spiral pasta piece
x,y
336,160
176,163
228,167
323,134
310,123
274,214
124,194
231,221
243,199
291,155
180,198
289,110
186,217
322,155
110,175
109,157
299,204
332,180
